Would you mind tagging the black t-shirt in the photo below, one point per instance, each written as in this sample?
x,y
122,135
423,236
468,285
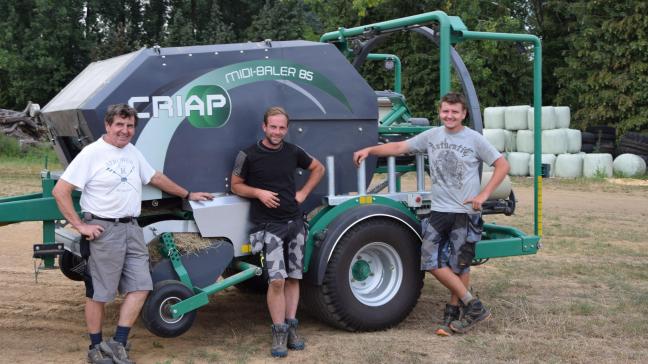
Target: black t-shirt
x,y
272,170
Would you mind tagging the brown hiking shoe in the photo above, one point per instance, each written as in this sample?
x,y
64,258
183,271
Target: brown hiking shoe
x,y
474,313
95,356
279,340
295,341
450,313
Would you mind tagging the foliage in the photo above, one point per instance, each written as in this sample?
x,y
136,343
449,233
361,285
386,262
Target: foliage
x,y
595,54
604,74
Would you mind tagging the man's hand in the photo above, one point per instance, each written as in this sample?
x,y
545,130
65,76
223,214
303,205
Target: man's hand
x,y
268,198
359,156
300,196
477,201
200,196
91,232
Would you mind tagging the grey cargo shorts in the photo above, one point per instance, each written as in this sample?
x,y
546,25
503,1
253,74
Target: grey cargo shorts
x,y
449,240
118,261
282,248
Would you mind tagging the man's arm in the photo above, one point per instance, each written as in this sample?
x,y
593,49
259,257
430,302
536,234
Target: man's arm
x,y
383,150
316,173
268,198
164,183
62,193
501,169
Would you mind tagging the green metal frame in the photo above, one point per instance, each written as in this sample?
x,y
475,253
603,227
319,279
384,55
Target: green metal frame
x,y
498,241
322,219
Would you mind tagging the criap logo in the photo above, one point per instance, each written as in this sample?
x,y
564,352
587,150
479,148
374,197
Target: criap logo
x,y
205,106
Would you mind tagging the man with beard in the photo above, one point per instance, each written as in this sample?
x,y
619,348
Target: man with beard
x,y
264,173
455,225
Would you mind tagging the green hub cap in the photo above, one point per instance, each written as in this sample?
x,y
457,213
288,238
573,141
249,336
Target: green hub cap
x,y
360,270
375,274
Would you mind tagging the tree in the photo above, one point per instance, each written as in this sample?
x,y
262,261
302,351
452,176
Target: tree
x,y
604,76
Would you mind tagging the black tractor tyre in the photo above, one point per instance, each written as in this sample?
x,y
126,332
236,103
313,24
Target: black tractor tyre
x,y
588,138
156,314
383,254
71,266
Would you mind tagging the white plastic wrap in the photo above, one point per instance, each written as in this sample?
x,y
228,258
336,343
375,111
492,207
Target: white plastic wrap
x,y
519,163
554,141
515,117
502,191
496,137
569,165
548,118
597,165
574,140
494,117
545,159
629,165
524,141
563,116
511,141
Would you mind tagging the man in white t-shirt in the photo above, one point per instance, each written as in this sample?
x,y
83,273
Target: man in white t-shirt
x,y
454,225
110,173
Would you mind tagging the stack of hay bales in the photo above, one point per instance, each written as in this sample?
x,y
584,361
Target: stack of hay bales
x,y
510,129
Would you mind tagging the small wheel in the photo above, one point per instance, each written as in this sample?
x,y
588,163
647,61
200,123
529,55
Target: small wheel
x,y
156,312
72,266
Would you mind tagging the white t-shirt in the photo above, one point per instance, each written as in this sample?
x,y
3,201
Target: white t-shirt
x,y
110,179
454,160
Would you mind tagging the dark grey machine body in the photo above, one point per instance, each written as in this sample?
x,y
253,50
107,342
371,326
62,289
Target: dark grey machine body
x,y
333,110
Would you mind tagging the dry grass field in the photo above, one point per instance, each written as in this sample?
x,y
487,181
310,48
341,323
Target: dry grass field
x,y
582,299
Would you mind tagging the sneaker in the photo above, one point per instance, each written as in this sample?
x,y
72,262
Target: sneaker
x,y
95,356
295,342
451,313
279,340
116,351
474,313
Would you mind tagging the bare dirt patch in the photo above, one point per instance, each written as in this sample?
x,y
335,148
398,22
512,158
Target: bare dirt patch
x,y
583,298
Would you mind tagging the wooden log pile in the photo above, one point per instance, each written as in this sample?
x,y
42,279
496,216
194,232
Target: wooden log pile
x,y
20,125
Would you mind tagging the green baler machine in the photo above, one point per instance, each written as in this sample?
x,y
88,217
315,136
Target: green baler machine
x,y
204,103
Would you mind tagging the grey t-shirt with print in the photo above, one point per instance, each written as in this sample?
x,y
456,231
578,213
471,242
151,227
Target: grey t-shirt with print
x,y
454,160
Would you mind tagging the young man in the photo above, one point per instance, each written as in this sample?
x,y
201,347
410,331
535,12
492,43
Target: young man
x,y
110,173
454,225
264,173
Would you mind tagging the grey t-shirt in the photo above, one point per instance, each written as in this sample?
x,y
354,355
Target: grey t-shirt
x,y
454,160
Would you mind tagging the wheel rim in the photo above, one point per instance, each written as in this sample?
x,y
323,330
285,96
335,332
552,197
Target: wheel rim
x,y
375,274
165,310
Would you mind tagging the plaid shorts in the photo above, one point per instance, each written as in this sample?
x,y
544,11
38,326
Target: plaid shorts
x,y
282,248
449,240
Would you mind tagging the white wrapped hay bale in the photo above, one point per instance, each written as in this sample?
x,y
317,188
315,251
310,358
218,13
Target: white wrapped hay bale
x,y
569,165
496,137
515,117
549,159
563,116
511,141
554,141
629,165
502,191
597,165
494,117
519,163
548,118
574,140
524,141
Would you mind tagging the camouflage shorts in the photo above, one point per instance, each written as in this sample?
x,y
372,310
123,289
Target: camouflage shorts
x,y
449,240
282,248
